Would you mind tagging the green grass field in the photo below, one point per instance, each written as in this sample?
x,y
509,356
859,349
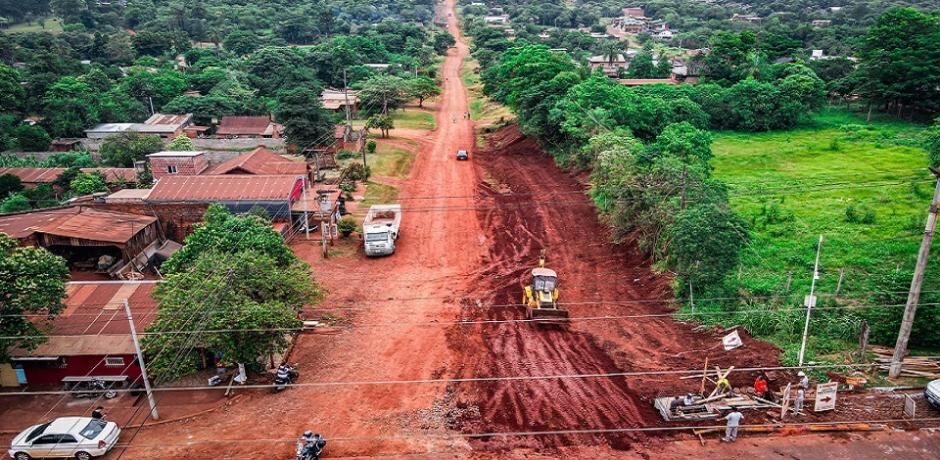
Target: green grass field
x,y
53,26
414,118
864,186
377,193
482,110
392,161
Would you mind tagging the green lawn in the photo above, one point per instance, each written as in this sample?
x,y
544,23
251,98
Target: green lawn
x,y
378,194
414,118
53,26
390,160
862,185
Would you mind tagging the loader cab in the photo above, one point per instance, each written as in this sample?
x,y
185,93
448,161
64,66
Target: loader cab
x,y
544,280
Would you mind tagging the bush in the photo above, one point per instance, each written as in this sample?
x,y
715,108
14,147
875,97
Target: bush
x,y
33,138
356,172
861,215
15,202
370,146
9,184
345,155
86,184
346,225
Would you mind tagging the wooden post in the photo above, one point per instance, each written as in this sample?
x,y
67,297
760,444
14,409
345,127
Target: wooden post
x,y
913,297
789,280
863,341
841,277
701,390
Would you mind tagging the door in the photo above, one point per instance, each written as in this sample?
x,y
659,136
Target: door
x,y
66,446
43,445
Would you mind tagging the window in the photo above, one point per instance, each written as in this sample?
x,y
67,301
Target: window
x,y
38,431
114,361
47,439
375,237
67,439
171,169
93,429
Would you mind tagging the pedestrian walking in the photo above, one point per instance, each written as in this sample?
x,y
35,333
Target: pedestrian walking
x,y
798,403
731,430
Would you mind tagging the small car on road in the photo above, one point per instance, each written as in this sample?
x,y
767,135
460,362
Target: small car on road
x,y
66,437
463,155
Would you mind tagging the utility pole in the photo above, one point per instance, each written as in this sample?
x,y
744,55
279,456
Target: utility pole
x,y
349,116
810,301
913,297
140,360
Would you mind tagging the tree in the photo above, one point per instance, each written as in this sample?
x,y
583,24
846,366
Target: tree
x,y
705,243
222,231
9,184
422,88
686,142
123,149
71,106
898,58
442,41
277,69
32,138
383,92
244,292
642,65
152,43
162,85
932,141
15,203
305,122
731,57
12,94
381,122
182,143
32,281
88,183
242,42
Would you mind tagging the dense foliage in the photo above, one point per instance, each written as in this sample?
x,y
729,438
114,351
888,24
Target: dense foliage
x,y
235,276
32,280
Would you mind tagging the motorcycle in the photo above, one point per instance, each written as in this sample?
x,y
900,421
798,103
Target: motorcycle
x,y
310,448
92,389
286,375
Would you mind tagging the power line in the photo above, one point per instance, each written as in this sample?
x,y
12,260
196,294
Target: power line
x,y
517,378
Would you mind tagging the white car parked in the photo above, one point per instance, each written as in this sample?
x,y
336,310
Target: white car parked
x,y
66,437
932,393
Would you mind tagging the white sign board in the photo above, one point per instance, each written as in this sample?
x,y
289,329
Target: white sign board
x,y
910,407
826,396
732,341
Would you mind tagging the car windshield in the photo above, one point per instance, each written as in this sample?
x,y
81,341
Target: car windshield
x,y
93,429
38,431
374,237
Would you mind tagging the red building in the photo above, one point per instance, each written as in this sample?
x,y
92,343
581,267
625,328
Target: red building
x,y
90,337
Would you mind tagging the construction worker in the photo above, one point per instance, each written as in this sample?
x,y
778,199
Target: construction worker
x,y
798,403
760,386
804,380
731,430
723,386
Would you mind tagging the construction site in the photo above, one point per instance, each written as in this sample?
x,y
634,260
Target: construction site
x,y
507,324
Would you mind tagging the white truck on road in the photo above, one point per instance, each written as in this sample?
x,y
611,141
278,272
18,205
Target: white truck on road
x,y
380,229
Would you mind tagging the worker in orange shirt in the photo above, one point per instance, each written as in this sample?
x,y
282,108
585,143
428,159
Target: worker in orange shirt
x,y
760,386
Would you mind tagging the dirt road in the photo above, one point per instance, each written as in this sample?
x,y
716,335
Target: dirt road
x,y
387,337
470,233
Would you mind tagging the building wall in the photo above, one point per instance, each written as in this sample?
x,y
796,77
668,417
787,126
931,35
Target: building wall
x,y
185,166
78,366
176,219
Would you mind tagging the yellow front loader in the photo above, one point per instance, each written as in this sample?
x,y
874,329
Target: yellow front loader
x,y
540,296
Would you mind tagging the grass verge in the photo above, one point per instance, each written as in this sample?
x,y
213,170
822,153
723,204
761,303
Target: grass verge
x,y
414,118
391,160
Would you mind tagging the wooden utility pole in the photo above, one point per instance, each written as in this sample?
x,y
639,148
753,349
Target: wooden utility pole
x,y
913,297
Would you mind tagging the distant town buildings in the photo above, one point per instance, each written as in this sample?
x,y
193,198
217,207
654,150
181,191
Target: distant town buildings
x,y
164,125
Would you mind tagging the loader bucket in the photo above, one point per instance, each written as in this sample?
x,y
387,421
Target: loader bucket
x,y
547,314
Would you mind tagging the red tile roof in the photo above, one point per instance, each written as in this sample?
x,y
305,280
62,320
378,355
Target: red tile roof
x,y
246,126
49,175
93,321
90,224
259,161
222,188
76,222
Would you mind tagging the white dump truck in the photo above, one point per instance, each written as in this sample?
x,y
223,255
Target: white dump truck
x,y
380,229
